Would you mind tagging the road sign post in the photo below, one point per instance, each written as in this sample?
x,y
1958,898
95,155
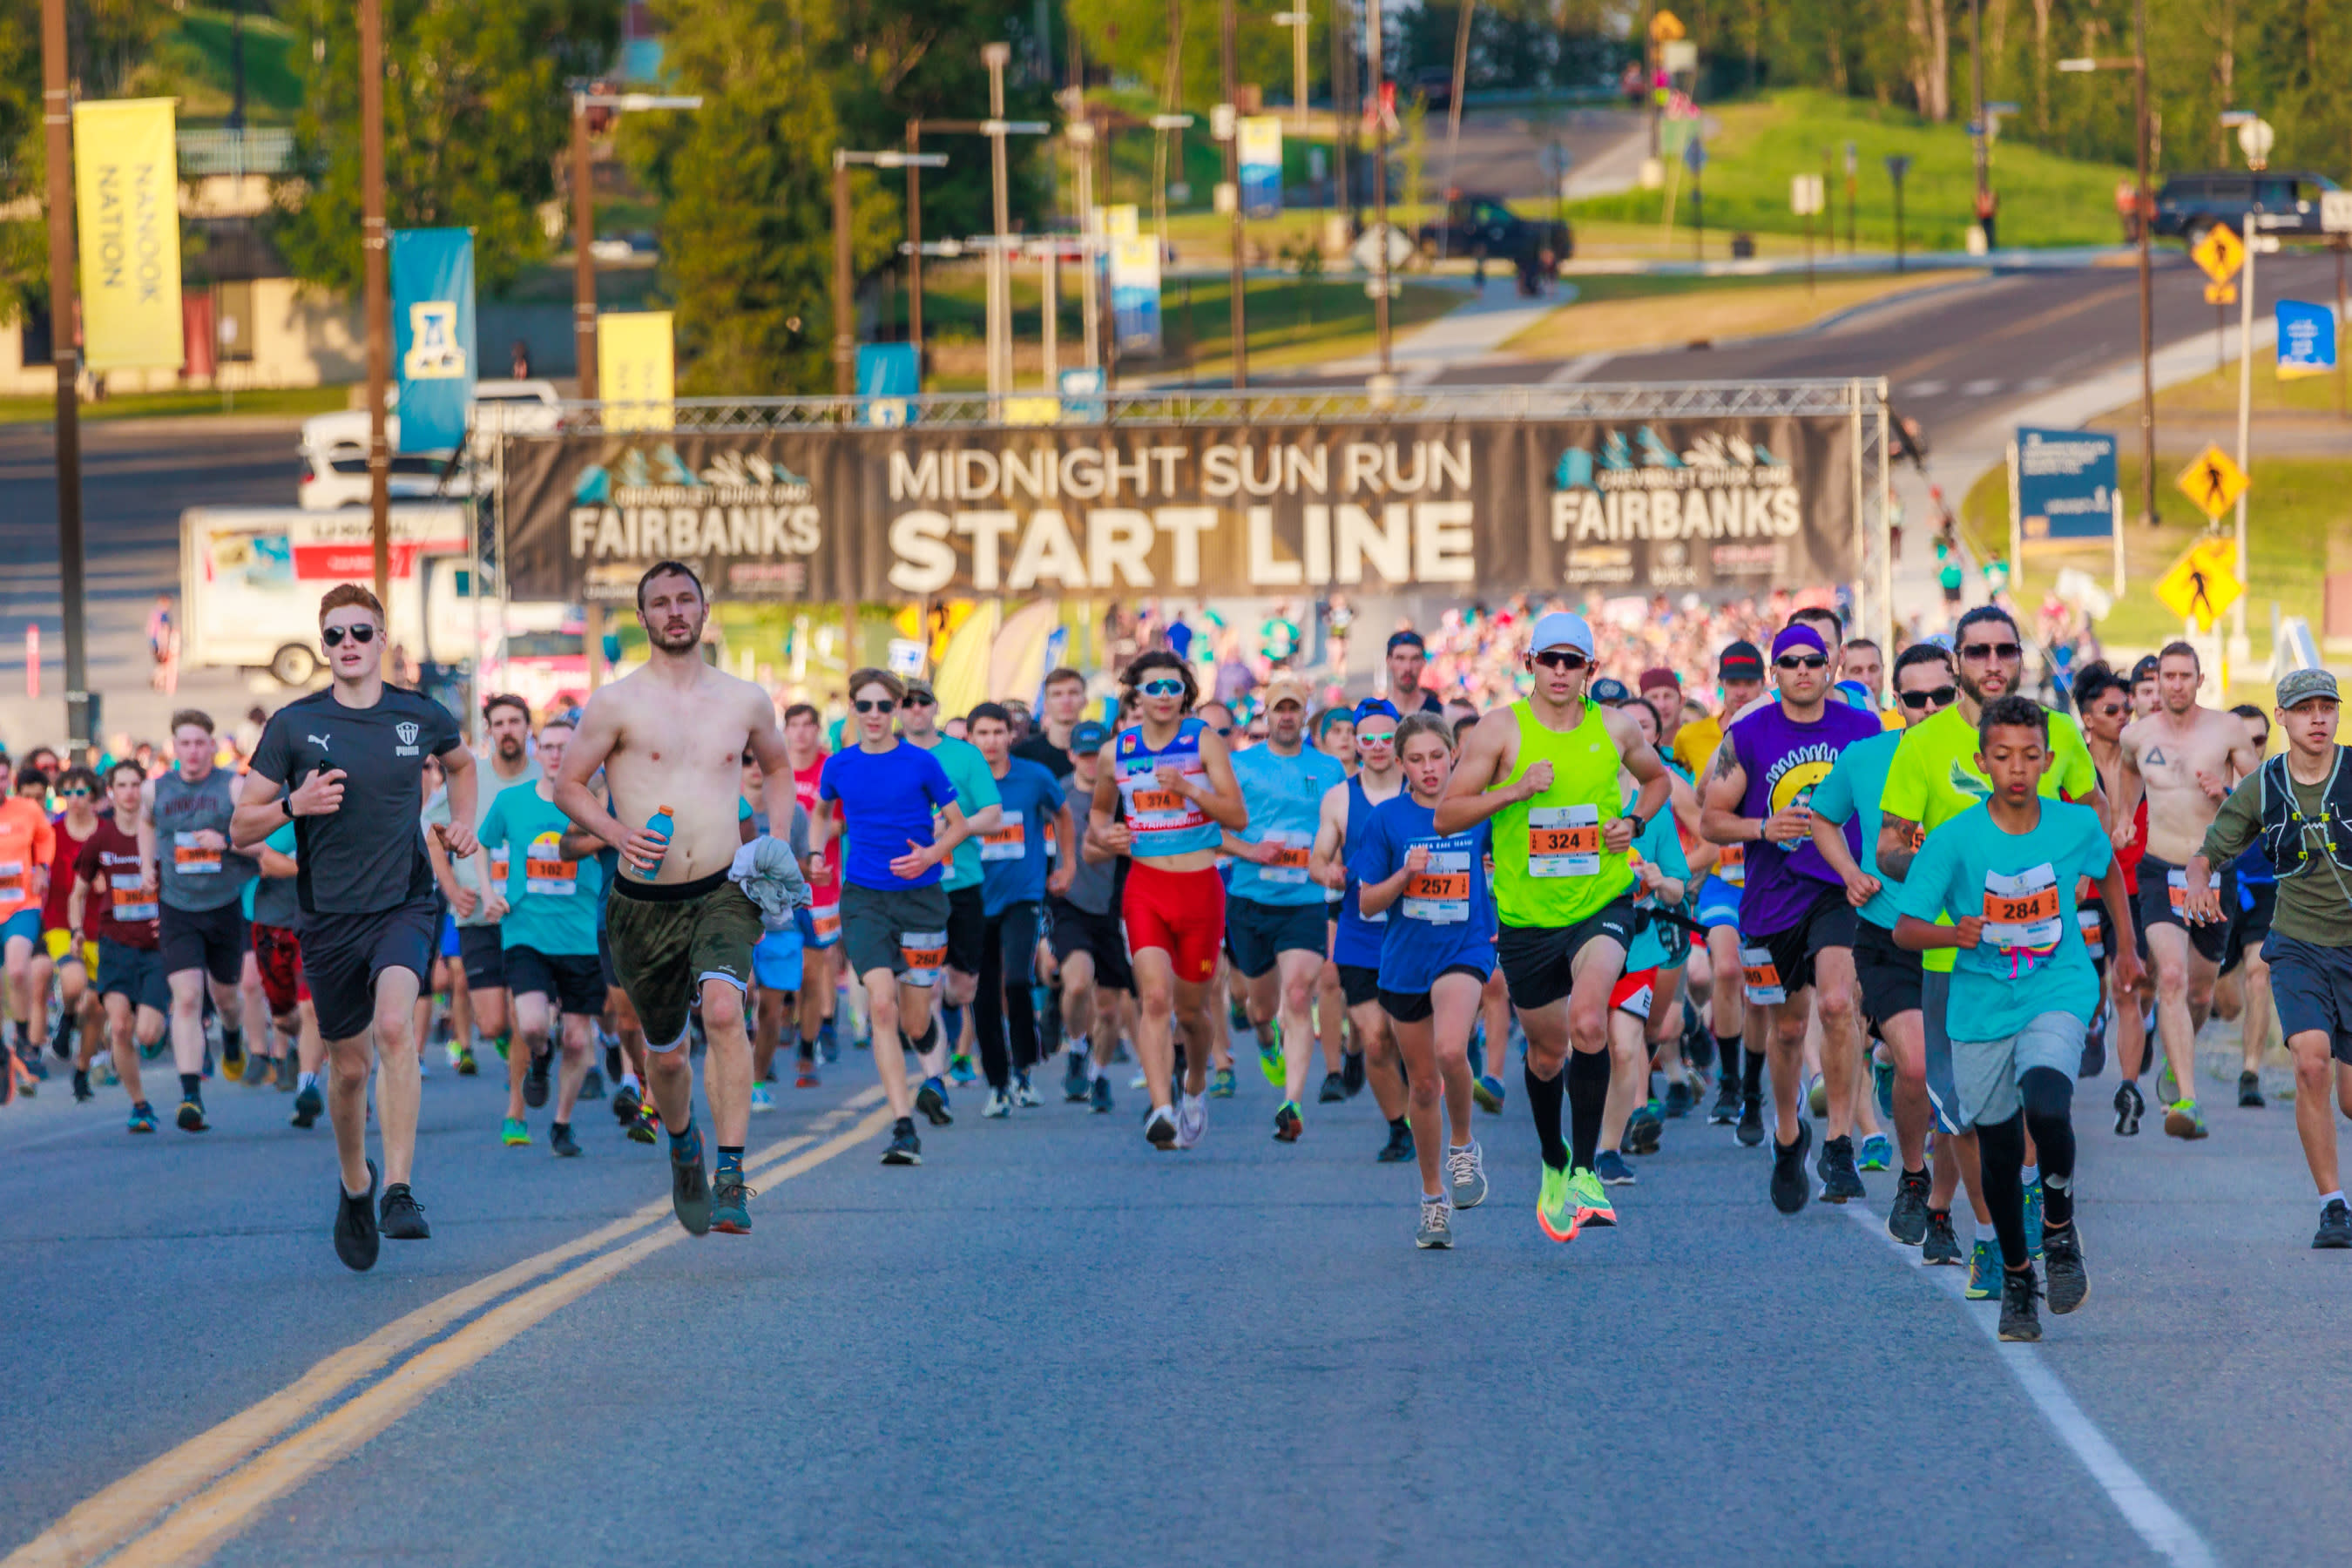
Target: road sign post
x,y
1897,165
1806,195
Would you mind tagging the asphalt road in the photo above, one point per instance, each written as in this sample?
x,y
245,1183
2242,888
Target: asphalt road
x,y
1051,1344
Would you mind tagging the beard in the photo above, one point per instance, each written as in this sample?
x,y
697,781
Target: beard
x,y
668,642
1975,691
509,748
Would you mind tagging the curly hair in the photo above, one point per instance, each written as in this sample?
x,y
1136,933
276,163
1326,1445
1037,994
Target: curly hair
x,y
1130,679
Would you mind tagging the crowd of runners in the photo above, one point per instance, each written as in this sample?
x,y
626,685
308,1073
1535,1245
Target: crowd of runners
x,y
1915,904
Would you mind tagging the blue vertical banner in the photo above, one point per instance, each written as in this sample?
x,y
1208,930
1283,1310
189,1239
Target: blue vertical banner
x,y
2307,339
433,335
1261,165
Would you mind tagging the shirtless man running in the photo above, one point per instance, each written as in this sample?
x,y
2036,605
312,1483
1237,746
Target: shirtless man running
x,y
671,738
2186,757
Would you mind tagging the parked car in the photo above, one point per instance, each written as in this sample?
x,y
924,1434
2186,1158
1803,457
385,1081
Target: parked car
x,y
2281,202
334,446
1483,227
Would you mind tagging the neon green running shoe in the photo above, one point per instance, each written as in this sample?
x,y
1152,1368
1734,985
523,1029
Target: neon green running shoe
x,y
1269,1062
2181,1119
1556,1208
1592,1205
1984,1272
514,1131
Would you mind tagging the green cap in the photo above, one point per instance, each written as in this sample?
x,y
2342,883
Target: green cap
x,y
2300,686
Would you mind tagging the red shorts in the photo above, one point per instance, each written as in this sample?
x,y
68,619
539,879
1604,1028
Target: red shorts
x,y
277,953
1634,991
1183,913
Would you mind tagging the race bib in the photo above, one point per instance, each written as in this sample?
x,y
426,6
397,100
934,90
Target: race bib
x,y
1009,841
12,881
500,860
1439,893
2176,890
1288,866
546,871
1763,977
1564,841
132,904
1731,865
191,858
825,920
2022,912
922,952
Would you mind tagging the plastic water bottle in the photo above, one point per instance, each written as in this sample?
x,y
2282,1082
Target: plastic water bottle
x,y
660,821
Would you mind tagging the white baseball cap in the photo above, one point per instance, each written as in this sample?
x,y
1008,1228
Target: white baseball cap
x,y
1561,628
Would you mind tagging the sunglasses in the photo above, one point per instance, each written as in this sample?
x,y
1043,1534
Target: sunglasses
x,y
1993,651
1942,696
1562,659
333,636
921,699
1165,688
880,705
1800,661
1223,731
73,794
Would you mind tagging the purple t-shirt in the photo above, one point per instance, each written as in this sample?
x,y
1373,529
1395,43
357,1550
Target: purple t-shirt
x,y
1784,761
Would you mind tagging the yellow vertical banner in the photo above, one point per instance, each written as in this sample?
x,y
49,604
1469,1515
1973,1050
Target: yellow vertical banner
x,y
635,369
127,204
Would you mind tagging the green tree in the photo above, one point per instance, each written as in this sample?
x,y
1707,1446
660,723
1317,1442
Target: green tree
x,y
477,113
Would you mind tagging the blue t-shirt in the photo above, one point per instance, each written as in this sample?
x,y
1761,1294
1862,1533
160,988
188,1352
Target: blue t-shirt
x,y
1661,846
975,789
1852,789
886,799
551,901
1446,917
2030,959
1284,796
1013,859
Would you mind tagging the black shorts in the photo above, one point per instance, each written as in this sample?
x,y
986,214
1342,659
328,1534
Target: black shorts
x,y
1540,961
484,955
574,984
1256,933
214,941
2211,938
1886,975
1358,984
1828,921
135,973
2311,986
1098,936
2247,931
1413,1006
343,956
967,928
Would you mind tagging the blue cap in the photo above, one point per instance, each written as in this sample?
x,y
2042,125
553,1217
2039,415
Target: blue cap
x,y
1856,694
1561,628
1609,691
1089,735
1380,705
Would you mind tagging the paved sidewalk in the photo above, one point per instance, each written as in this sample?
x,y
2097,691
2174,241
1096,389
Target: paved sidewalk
x,y
1496,314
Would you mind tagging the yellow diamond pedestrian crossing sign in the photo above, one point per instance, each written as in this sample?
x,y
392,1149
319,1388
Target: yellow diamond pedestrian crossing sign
x,y
2214,482
2203,583
2220,253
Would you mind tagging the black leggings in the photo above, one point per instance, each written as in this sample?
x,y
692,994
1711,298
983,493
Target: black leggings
x,y
2049,1096
1008,971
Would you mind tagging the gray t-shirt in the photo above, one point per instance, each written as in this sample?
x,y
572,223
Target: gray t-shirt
x,y
1094,885
195,879
491,787
368,856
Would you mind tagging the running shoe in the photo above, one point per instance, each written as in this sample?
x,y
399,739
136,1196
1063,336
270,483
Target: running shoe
x,y
1221,1083
1940,1247
762,1098
1817,1095
560,1140
931,1100
2068,1282
1841,1183
514,1132
647,1123
960,1070
690,1184
1488,1092
1160,1128
1333,1090
1725,1108
2250,1097
1592,1205
2019,1321
2181,1121
308,1106
258,1072
2033,1217
232,1059
1612,1170
1191,1121
1906,1217
1877,1152
401,1217
82,1091
1882,1087
1698,1045
1984,1271
1679,1100
1351,1073
1789,1189
828,1045
731,1210
2167,1087
2130,1108
1644,1130
1100,1096
904,1148
1466,1175
593,1086
500,1045
1399,1148
614,1066
357,1237
1287,1123
1075,1086
2335,1233
1750,1130
1435,1231
534,1083
1025,1094
1557,1214
142,1119
1270,1061
192,1116
625,1102
2094,1048
999,1106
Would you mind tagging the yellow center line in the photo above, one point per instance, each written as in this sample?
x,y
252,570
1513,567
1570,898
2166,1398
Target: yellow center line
x,y
120,1511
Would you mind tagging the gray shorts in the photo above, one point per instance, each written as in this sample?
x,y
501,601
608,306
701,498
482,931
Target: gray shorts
x,y
1988,1070
2311,987
902,929
1935,996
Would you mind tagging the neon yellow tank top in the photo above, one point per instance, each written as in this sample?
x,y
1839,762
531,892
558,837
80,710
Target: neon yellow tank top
x,y
1550,867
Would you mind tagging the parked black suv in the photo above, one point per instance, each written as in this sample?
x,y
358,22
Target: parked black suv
x,y
1481,225
2281,202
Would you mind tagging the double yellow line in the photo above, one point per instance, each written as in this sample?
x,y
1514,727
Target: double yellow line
x,y
182,1508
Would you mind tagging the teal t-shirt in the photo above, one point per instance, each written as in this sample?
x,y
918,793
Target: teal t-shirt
x,y
552,902
1853,784
2030,959
975,789
1284,796
1663,846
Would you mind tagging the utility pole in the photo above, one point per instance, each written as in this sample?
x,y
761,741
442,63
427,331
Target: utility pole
x,y
377,292
996,57
1228,117
1082,142
844,276
2144,211
1298,21
65,355
1978,138
1373,41
915,245
583,218
1344,117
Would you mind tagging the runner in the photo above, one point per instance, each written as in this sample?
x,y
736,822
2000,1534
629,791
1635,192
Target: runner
x,y
670,737
1796,923
1408,661
2242,991
346,764
2185,756
507,719
2104,700
1344,817
1861,661
889,792
819,978
1275,923
1547,767
918,718
204,933
277,956
70,963
1173,779
111,871
1088,946
1435,956
2297,807
1995,884
780,958
1660,873
1739,680
1064,705
1013,884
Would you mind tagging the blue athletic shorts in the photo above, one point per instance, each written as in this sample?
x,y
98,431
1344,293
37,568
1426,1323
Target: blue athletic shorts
x,y
26,923
448,936
776,960
1718,903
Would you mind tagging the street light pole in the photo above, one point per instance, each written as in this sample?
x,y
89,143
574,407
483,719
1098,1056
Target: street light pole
x,y
377,289
583,260
65,354
1372,21
844,276
2143,210
1228,113
996,57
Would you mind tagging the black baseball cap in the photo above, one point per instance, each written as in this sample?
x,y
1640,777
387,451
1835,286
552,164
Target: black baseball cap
x,y
1609,691
1406,639
1740,661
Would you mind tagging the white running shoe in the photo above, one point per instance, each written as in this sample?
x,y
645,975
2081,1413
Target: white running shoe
x,y
1466,1173
1191,1121
999,1104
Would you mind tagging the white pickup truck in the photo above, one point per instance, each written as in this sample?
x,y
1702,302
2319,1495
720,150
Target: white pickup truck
x,y
334,446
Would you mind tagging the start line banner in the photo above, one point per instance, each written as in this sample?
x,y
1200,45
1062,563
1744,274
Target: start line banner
x,y
1714,505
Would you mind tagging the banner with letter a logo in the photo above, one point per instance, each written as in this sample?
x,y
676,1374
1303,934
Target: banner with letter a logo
x,y
127,206
637,369
433,335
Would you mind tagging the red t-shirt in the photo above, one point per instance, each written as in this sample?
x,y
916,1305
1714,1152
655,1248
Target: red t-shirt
x,y
826,884
115,909
61,874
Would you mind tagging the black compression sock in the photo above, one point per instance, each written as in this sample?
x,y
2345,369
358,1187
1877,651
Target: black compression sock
x,y
232,1041
192,1086
1727,1052
1398,1124
1588,1099
1544,1096
1752,1075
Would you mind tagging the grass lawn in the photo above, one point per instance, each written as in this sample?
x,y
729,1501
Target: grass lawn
x,y
289,400
197,52
2044,199
1612,312
2216,393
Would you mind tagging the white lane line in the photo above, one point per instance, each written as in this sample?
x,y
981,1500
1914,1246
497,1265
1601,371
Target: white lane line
x,y
1984,388
1925,388
1580,368
2157,1521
